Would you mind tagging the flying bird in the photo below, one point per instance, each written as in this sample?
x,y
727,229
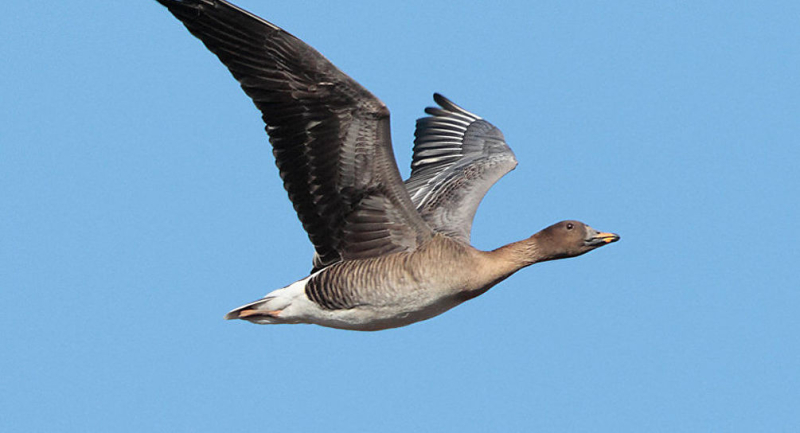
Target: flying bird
x,y
388,253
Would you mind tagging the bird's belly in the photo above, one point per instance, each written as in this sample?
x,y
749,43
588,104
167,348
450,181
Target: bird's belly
x,y
391,315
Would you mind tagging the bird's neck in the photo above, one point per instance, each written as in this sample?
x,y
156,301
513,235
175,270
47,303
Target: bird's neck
x,y
503,262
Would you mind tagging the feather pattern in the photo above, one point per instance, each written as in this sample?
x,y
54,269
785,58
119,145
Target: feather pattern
x,y
330,136
457,157
382,260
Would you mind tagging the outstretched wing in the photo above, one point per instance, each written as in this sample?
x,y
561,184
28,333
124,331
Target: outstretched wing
x,y
457,157
330,136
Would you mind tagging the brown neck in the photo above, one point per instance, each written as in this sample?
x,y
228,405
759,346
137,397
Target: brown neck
x,y
522,253
508,259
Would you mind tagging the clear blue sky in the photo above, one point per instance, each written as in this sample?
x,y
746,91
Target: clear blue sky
x,y
139,202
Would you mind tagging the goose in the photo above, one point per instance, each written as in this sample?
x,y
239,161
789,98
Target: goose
x,y
388,253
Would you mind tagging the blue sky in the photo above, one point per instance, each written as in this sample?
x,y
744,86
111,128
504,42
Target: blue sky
x,y
139,202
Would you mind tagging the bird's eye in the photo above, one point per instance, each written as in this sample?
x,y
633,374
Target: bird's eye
x,y
570,226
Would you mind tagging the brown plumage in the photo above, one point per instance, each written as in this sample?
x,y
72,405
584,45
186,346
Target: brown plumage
x,y
387,253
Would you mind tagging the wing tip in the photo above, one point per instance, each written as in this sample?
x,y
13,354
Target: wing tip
x,y
448,107
179,3
183,9
444,102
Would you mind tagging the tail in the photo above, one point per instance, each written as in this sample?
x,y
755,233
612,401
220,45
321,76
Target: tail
x,y
273,307
262,312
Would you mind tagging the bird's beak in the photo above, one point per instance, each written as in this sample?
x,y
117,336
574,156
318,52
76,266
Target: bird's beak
x,y
602,238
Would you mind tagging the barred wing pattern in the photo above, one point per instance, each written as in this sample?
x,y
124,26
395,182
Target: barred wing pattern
x,y
457,157
330,136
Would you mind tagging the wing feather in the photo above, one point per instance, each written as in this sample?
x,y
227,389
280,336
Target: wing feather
x,y
330,136
457,157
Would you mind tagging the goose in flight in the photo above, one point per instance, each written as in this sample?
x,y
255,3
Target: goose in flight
x,y
388,253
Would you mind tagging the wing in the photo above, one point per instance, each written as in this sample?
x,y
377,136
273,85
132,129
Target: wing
x,y
457,157
330,136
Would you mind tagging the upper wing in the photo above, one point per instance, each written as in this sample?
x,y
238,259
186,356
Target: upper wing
x,y
457,157
330,136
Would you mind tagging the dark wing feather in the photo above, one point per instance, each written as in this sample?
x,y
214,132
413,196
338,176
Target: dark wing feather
x,y
457,157
330,136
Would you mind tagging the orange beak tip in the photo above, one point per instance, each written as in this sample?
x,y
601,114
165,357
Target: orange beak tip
x,y
608,237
